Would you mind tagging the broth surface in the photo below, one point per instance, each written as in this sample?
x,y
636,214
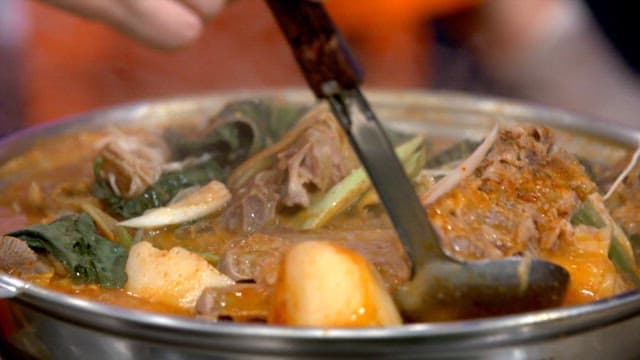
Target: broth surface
x,y
527,197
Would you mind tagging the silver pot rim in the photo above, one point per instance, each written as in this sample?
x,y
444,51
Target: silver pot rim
x,y
504,329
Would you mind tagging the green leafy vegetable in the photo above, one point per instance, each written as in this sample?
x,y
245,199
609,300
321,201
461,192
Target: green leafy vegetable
x,y
624,261
108,225
75,242
634,239
413,163
588,215
158,194
593,213
239,130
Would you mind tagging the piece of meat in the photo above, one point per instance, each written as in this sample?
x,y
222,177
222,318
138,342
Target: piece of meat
x,y
254,205
254,258
132,162
15,255
625,200
314,160
240,302
627,216
384,251
518,201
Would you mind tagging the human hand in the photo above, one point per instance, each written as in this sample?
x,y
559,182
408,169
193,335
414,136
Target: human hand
x,y
163,24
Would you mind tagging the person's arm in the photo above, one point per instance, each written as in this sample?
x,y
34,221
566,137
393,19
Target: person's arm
x,y
164,24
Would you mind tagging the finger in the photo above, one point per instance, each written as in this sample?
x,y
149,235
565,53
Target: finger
x,y
161,23
206,8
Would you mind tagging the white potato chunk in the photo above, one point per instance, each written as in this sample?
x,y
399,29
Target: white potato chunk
x,y
175,277
323,284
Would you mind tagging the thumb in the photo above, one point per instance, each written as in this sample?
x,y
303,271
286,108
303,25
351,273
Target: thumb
x,y
164,24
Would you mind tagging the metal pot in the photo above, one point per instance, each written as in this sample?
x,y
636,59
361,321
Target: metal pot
x,y
46,324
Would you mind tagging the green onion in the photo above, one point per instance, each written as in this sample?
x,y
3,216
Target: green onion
x,y
352,187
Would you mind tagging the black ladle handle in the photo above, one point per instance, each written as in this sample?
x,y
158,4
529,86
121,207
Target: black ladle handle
x,y
320,50
333,74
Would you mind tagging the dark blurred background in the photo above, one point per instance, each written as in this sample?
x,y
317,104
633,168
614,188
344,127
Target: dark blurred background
x,y
573,54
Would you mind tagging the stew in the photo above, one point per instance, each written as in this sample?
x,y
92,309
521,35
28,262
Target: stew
x,y
263,214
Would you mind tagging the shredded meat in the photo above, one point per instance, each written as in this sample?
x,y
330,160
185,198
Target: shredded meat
x,y
518,202
133,162
314,161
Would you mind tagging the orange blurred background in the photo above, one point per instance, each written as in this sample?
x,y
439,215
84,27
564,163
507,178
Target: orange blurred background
x,y
542,51
71,65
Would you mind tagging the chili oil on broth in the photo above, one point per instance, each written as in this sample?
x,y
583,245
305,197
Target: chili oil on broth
x,y
50,166
65,163
59,167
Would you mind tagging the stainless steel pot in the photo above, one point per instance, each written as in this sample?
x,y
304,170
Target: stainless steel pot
x,y
47,324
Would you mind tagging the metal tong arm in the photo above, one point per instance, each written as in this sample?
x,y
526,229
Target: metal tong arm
x,y
332,73
320,50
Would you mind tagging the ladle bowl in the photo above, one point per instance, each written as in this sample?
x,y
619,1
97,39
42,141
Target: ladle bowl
x,y
482,288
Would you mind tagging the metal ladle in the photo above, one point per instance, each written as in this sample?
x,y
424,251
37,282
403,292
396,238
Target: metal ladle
x,y
439,284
